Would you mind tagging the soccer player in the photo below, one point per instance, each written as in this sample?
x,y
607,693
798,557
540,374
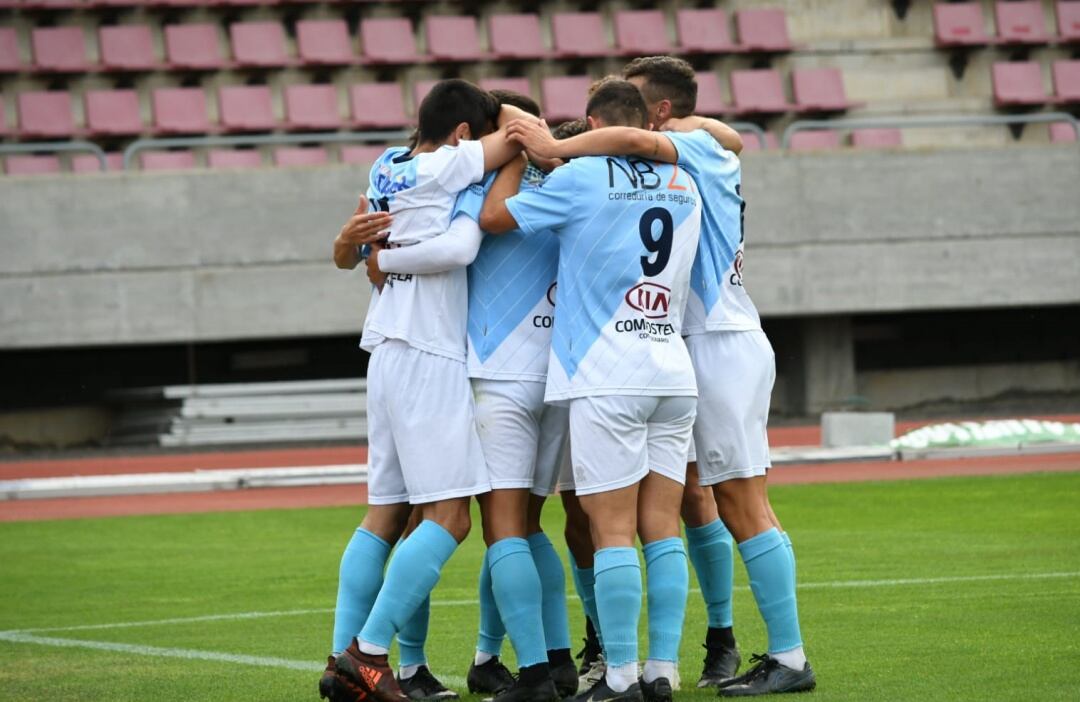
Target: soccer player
x,y
627,231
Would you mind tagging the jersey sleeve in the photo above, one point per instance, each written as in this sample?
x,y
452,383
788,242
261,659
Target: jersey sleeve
x,y
470,201
455,167
456,248
696,149
546,207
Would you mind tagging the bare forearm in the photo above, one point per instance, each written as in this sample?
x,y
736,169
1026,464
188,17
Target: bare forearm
x,y
346,256
495,218
498,149
724,135
618,141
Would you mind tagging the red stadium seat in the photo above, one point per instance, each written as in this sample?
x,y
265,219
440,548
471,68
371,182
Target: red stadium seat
x,y
420,90
704,31
815,140
1062,133
1021,22
88,163
515,37
324,43
9,51
259,44
166,160
59,49
876,138
751,143
312,107
234,158
377,106
758,91
1066,76
960,24
1068,21
453,38
565,97
641,33
578,34
301,156
31,165
46,114
180,111
518,85
763,30
389,40
1018,84
193,46
820,90
112,112
128,47
710,100
246,108
366,154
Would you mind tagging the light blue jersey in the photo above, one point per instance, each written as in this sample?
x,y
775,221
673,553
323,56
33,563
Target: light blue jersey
x,y
719,300
511,295
628,233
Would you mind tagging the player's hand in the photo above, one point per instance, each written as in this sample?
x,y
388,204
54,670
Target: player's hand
x,y
376,276
365,227
545,164
680,124
534,136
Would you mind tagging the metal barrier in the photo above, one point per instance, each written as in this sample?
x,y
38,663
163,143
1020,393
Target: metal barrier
x,y
753,129
56,147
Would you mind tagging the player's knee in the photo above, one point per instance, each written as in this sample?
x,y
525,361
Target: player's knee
x,y
698,506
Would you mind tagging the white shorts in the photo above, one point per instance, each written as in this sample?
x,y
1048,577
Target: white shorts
x,y
422,442
735,374
523,439
616,440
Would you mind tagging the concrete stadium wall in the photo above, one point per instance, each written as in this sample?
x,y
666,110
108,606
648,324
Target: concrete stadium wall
x,y
158,258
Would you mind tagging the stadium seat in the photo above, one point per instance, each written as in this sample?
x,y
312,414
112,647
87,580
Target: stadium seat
x,y
9,51
1066,77
751,143
366,154
758,91
815,140
246,108
820,90
193,46
31,165
420,90
300,156
518,85
259,44
377,106
45,114
3,118
453,38
564,97
180,111
59,49
578,34
234,158
763,30
128,47
641,33
1020,22
88,163
704,31
960,24
1062,133
876,138
166,160
324,43
112,112
389,40
515,37
312,107
1068,21
710,100
1018,84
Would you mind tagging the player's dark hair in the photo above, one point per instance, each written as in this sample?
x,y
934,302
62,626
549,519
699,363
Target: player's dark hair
x,y
569,129
666,78
619,103
595,85
452,102
512,97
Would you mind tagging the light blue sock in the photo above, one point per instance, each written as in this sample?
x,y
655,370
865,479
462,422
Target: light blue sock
x,y
492,631
413,635
618,602
516,585
772,580
359,580
668,581
414,570
585,584
710,548
553,584
790,550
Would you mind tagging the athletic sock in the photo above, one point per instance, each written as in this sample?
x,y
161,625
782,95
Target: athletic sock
x,y
492,631
407,671
481,658
413,572
667,583
585,584
621,677
710,551
791,552
773,583
794,659
359,580
553,585
658,669
412,636
618,603
516,586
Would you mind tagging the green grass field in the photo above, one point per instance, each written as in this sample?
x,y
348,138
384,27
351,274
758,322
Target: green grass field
x,y
938,589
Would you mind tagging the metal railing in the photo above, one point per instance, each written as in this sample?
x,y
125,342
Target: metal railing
x,y
752,128
56,147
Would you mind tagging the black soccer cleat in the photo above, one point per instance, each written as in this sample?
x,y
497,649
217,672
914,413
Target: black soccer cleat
x,y
658,690
600,692
423,685
492,677
565,677
543,691
721,665
768,677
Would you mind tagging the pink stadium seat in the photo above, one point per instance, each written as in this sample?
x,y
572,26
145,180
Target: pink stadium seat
x,y
1021,22
763,30
112,112
167,160
31,165
452,38
3,119
366,154
578,34
1018,84
46,114
710,100
59,49
259,44
820,90
564,97
641,32
324,42
420,90
193,46
960,24
751,143
704,31
234,158
9,51
128,47
1062,133
377,106
815,140
246,108
180,111
1066,76
88,163
876,138
515,37
389,40
758,91
312,107
518,85
301,156
1068,21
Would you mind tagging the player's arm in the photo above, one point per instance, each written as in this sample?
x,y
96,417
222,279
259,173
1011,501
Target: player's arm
x,y
495,217
456,248
498,147
607,141
362,228
722,133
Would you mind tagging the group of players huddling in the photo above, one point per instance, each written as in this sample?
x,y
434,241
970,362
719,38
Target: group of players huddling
x,y
652,373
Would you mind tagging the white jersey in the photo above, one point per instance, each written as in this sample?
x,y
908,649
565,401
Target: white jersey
x,y
628,233
719,301
427,311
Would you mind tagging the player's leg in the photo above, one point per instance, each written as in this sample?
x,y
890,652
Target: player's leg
x,y
580,548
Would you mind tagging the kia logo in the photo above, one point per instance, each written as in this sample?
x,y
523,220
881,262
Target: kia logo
x,y
551,294
651,299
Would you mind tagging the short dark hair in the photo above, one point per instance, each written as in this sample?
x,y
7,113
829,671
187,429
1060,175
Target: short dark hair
x,y
619,102
571,128
666,78
452,102
518,100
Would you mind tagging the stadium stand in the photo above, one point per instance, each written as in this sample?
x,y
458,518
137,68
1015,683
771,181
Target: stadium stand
x,y
758,91
377,106
259,44
578,35
246,108
1066,77
820,90
1068,21
704,31
960,24
46,114
112,112
300,156
516,37
641,32
167,160
60,49
234,158
1018,84
1021,22
324,43
194,46
312,107
876,138
815,140
87,163
31,165
710,100
518,85
420,90
453,38
127,48
763,29
564,97
361,154
389,40
180,111
1062,133
10,62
